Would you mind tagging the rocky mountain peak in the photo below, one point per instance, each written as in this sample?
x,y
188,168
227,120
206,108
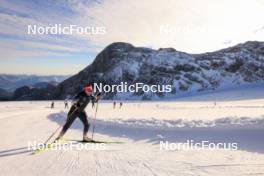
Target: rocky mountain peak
x,y
186,73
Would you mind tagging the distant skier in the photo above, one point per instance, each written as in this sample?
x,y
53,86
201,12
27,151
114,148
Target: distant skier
x,y
66,104
114,105
52,105
78,110
120,105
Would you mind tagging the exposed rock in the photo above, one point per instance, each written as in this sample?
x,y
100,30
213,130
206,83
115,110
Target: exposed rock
x,y
122,62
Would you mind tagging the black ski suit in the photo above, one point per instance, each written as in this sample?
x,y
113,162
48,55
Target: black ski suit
x,y
78,110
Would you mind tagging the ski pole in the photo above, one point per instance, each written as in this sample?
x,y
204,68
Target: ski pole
x,y
94,118
53,134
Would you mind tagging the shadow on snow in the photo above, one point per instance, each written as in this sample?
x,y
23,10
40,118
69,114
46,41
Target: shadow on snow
x,y
251,140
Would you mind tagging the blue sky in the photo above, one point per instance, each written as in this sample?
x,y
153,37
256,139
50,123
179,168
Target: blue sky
x,y
190,25
48,54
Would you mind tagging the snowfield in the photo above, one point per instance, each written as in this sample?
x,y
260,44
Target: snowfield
x,y
232,116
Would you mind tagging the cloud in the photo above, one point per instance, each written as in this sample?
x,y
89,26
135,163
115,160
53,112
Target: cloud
x,y
14,18
196,26
190,25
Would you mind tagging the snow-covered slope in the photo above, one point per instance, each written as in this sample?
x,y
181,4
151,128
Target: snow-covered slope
x,y
141,125
122,62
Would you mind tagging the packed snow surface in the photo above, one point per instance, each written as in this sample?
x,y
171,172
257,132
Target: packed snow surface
x,y
234,116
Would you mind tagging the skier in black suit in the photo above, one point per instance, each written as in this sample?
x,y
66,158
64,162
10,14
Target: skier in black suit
x,y
78,110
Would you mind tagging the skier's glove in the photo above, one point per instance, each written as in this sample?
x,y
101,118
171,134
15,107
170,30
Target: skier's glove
x,y
97,97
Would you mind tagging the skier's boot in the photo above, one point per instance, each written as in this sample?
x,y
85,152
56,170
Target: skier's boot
x,y
59,137
87,139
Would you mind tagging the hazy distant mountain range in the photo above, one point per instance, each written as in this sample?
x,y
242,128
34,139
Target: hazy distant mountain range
x,y
12,82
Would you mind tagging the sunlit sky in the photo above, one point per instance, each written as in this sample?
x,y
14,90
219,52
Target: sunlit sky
x,y
195,26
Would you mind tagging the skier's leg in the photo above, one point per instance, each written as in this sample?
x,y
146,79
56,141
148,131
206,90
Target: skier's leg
x,y
71,117
73,108
83,118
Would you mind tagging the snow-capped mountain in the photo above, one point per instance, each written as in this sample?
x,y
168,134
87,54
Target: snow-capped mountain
x,y
122,62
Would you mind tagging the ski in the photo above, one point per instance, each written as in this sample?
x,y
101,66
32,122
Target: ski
x,y
48,146
95,141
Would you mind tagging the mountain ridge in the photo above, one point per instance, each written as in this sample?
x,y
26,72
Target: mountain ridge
x,y
119,61
11,82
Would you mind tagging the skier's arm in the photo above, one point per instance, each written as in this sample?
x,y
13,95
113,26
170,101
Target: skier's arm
x,y
95,99
77,98
97,96
92,104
